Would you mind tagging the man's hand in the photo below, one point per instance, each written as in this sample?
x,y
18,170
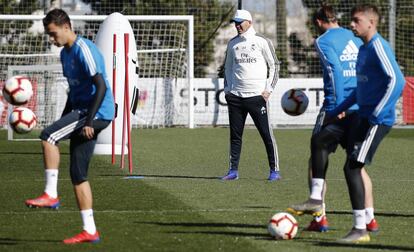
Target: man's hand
x,y
329,119
341,115
266,95
88,132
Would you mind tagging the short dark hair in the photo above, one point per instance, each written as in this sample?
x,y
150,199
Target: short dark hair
x,y
368,8
57,16
326,13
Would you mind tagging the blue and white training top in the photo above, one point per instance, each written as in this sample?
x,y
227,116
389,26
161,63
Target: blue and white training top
x,y
81,62
380,83
338,51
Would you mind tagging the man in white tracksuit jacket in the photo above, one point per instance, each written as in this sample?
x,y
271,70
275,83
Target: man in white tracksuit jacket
x,y
251,71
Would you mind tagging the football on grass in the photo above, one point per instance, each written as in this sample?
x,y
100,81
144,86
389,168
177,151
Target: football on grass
x,y
283,226
22,120
17,90
294,102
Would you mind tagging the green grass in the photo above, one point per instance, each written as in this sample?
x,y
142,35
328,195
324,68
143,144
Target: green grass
x,y
179,205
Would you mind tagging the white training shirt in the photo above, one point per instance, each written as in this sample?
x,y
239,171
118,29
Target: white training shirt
x,y
1,108
248,58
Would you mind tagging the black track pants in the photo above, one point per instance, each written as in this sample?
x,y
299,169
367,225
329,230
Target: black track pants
x,y
256,106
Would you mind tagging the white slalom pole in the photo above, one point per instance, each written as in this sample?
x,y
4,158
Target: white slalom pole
x,y
114,94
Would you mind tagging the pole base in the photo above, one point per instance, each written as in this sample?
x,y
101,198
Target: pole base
x,y
106,149
133,177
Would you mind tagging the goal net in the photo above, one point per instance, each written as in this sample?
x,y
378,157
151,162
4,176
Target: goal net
x,y
49,95
164,52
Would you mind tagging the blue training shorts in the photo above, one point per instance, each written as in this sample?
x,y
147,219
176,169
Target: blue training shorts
x,y
69,126
365,139
338,130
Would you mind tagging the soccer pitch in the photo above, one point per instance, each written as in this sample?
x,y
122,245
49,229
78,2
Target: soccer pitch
x,y
180,205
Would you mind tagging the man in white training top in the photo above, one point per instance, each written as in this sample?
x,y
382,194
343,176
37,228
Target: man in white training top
x,y
250,74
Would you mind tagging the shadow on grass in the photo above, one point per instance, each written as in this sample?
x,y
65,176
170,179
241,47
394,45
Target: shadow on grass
x,y
205,224
259,207
23,153
323,242
229,233
334,245
14,241
385,214
213,225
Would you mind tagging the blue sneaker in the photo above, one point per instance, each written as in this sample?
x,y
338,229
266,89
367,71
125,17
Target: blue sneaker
x,y
231,175
274,175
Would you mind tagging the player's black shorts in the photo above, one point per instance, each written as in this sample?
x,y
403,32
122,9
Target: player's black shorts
x,y
319,122
365,139
337,131
81,148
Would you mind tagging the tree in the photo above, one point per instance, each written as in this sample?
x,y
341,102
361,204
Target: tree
x,y
281,48
404,41
16,32
209,15
106,7
16,38
18,7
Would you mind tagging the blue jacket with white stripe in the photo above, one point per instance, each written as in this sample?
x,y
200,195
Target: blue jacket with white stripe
x,y
338,51
380,83
81,62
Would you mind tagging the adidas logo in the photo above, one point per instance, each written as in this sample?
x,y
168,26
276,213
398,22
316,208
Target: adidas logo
x,y
350,52
263,110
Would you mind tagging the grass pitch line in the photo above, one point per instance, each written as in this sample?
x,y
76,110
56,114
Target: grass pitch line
x,y
178,211
379,180
173,211
218,179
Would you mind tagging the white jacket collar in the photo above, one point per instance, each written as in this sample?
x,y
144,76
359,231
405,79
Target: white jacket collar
x,y
249,33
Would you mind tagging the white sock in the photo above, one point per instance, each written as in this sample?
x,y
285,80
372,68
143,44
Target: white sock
x,y
369,214
319,218
88,221
359,219
51,176
317,187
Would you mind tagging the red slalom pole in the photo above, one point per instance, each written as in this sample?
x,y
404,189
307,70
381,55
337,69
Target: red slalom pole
x,y
114,94
127,109
123,139
123,145
124,115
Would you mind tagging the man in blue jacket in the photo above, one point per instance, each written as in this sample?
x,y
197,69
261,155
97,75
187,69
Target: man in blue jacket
x,y
338,49
379,86
89,109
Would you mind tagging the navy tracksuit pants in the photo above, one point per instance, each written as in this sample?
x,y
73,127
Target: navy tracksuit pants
x,y
257,107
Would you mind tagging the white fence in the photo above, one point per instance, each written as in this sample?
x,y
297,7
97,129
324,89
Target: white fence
x,y
157,96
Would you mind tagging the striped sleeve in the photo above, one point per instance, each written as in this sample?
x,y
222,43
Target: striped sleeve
x,y
389,71
88,59
228,69
272,63
332,68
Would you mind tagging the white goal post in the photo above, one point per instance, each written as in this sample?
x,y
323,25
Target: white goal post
x,y
165,48
49,97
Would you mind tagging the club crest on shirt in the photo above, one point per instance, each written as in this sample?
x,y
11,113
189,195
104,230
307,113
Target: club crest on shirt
x,y
252,47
